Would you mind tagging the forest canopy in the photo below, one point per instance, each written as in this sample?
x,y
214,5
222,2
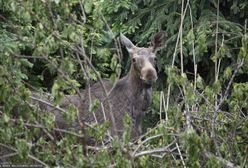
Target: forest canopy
x,y
198,115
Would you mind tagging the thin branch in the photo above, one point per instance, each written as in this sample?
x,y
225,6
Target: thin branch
x,y
55,107
29,155
162,107
227,163
105,119
193,49
175,52
153,151
180,154
216,38
43,127
102,85
83,12
213,136
48,104
118,49
181,38
146,140
8,155
28,56
239,65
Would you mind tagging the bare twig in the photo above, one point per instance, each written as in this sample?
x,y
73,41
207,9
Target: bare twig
x,y
154,151
28,56
47,103
146,140
175,52
239,65
180,154
102,85
29,155
118,50
43,127
162,107
55,107
181,37
83,12
227,163
8,155
105,119
213,136
193,49
80,122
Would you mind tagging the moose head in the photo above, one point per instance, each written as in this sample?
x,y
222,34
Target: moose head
x,y
143,58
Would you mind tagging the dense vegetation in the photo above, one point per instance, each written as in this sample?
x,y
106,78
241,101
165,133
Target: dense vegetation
x,y
198,117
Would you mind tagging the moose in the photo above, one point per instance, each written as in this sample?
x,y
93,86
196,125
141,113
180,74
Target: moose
x,y
132,94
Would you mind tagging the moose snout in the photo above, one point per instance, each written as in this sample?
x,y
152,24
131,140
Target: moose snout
x,y
148,75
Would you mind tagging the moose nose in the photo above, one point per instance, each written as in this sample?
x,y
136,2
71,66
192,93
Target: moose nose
x,y
148,75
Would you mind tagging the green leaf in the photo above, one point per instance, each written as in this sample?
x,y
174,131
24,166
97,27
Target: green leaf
x,y
49,120
199,82
227,72
69,66
88,5
217,86
71,114
127,121
113,78
56,1
94,106
190,37
59,97
22,148
113,63
26,63
6,118
55,89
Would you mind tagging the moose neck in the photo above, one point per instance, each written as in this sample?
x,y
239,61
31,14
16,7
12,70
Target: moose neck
x,y
134,81
139,93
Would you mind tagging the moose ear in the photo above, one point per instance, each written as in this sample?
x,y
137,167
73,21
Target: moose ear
x,y
158,42
127,43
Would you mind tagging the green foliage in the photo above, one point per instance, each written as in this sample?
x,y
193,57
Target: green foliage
x,y
192,145
127,122
94,106
212,162
71,113
22,148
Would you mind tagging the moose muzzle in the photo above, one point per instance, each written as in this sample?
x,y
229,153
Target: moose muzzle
x,y
148,74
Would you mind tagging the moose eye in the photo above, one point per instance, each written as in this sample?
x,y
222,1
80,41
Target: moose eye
x,y
134,60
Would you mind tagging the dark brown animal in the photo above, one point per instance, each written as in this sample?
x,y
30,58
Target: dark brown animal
x,y
132,94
